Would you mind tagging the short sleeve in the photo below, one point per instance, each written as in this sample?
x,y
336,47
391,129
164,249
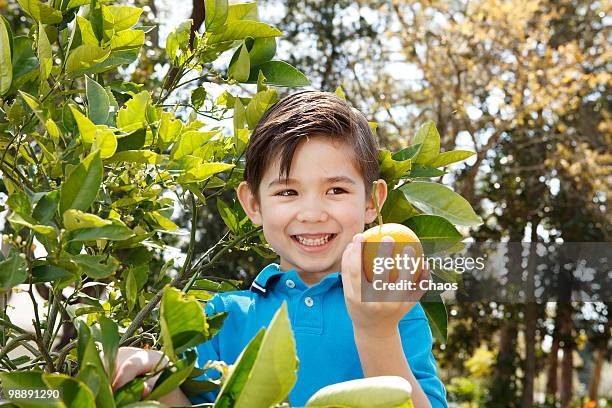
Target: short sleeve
x,y
417,343
208,351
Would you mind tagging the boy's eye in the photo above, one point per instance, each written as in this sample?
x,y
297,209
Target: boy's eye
x,y
337,190
286,193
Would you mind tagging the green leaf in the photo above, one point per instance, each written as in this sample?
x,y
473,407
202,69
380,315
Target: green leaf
x,y
189,142
266,369
77,3
131,289
86,127
241,29
371,392
129,39
169,129
91,369
447,158
138,156
436,199
134,141
259,104
390,169
20,203
172,377
28,222
6,69
25,63
437,316
13,271
84,57
96,266
19,380
241,66
45,55
242,11
74,393
279,73
112,232
34,105
97,101
105,141
87,33
110,342
397,208
198,97
82,185
178,39
420,171
262,50
164,223
429,138
228,216
130,392
216,14
49,273
133,115
76,219
203,172
183,322
119,18
435,233
41,12
408,153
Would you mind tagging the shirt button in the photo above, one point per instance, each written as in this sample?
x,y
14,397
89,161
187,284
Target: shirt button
x,y
290,283
308,301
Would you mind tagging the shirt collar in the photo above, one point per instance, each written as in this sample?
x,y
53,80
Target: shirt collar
x,y
262,282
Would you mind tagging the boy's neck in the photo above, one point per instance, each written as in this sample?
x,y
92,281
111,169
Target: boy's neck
x,y
309,278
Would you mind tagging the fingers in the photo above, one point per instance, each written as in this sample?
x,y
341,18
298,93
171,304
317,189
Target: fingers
x,y
149,385
407,266
136,362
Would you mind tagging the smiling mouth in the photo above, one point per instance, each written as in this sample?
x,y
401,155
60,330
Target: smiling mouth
x,y
313,240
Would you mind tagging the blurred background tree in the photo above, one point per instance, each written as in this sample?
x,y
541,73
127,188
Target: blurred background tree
x,y
524,83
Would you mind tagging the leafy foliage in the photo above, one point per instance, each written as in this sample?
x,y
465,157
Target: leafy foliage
x,y
94,168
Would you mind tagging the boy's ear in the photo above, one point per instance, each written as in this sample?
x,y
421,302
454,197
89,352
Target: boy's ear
x,y
249,203
381,195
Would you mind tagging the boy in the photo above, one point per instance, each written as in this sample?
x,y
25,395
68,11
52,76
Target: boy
x,y
311,165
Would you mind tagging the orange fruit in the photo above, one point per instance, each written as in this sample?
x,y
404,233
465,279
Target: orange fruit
x,y
403,237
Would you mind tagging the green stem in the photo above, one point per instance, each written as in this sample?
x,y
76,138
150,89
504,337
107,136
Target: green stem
x,y
51,317
218,255
39,337
14,343
375,198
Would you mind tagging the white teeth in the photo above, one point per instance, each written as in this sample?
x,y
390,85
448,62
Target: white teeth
x,y
313,242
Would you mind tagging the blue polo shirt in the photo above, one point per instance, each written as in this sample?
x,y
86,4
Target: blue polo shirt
x,y
323,333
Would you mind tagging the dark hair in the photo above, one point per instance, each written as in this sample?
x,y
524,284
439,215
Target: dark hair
x,y
307,114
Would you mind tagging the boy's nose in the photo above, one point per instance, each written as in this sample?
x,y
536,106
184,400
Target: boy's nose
x,y
312,213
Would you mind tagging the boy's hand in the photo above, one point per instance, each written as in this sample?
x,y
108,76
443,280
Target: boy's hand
x,y
376,318
133,361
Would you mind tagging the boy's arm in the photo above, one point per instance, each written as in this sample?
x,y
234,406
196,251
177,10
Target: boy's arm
x,y
376,324
416,341
382,354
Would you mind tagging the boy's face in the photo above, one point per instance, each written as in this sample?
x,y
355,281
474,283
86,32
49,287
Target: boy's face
x,y
311,217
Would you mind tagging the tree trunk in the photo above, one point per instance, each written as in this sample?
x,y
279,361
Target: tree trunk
x,y
596,377
567,363
553,362
531,316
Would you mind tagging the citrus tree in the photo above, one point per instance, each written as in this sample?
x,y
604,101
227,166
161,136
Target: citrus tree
x,y
94,166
